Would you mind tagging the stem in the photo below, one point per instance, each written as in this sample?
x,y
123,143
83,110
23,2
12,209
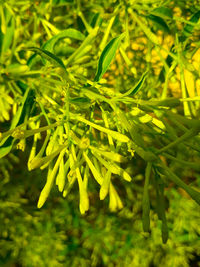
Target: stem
x,y
171,176
145,200
190,133
183,163
106,34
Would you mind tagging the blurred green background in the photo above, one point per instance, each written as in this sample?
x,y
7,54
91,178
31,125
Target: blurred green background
x,y
57,234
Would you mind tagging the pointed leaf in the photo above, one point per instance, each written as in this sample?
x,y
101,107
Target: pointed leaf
x,y
94,171
49,56
105,185
114,168
159,22
163,12
10,27
107,56
6,148
109,155
116,135
15,121
113,199
50,180
69,33
137,87
188,29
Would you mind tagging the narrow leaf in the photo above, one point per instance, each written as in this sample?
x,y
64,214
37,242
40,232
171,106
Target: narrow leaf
x,y
161,206
114,168
137,87
60,180
145,201
109,155
107,56
105,185
163,12
159,22
50,180
113,199
118,136
69,33
8,141
188,29
84,200
150,35
195,195
10,28
94,171
49,56
186,32
6,148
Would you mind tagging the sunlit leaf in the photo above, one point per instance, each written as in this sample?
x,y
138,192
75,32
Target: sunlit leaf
x,y
69,33
188,29
107,56
159,22
163,12
138,86
49,56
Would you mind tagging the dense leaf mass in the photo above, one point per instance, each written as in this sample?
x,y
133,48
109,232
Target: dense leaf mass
x,y
101,101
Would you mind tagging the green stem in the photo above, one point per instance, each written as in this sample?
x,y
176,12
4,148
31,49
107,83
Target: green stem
x,y
190,133
171,176
106,34
183,163
146,201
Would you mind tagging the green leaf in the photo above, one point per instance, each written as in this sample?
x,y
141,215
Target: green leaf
x,y
16,119
113,168
96,20
137,87
23,110
107,56
159,22
116,135
2,20
38,161
50,180
49,56
69,33
161,199
64,50
105,185
7,146
10,27
94,171
79,100
188,29
195,195
109,155
145,200
163,12
87,41
150,35
186,32
49,45
16,68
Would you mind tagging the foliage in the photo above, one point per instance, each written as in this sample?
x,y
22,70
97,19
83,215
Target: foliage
x,y
58,235
101,93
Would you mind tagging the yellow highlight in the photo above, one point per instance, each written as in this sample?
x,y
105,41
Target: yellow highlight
x,y
189,81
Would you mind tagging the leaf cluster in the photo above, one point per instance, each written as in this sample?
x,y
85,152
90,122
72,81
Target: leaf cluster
x,y
83,123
